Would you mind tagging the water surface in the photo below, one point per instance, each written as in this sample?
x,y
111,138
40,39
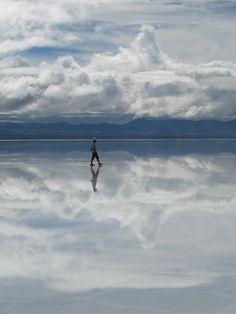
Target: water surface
x,y
152,231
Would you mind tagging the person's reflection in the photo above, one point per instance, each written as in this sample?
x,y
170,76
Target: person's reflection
x,y
94,178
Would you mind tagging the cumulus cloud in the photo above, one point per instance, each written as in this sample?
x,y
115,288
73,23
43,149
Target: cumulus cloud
x,y
144,54
131,233
192,30
137,81
27,24
13,62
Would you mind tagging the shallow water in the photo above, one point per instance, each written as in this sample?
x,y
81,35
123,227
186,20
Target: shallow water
x,y
152,231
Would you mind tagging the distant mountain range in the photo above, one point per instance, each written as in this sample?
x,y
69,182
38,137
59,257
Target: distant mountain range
x,y
140,128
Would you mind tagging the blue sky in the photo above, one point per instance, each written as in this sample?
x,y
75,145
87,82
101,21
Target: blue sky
x,y
106,59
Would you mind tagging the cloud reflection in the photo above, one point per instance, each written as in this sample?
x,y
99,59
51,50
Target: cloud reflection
x,y
154,222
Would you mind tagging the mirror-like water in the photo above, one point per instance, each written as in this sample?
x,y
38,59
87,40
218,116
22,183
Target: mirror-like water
x,y
152,231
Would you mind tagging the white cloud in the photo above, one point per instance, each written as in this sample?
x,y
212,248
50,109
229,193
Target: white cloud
x,y
144,54
13,62
139,81
66,24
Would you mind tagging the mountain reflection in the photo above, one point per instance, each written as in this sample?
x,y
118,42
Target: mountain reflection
x,y
154,222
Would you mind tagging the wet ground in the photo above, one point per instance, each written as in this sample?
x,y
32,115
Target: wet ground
x,y
152,231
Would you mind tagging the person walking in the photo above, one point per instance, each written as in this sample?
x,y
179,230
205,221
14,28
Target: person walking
x,y
94,153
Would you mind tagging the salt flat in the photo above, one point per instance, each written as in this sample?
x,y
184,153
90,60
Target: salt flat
x,y
152,231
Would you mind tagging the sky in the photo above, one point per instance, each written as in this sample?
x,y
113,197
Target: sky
x,y
113,60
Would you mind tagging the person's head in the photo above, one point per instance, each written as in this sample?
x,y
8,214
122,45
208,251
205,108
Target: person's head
x,y
94,140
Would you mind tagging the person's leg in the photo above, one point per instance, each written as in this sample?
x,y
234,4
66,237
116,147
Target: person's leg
x,y
92,158
97,157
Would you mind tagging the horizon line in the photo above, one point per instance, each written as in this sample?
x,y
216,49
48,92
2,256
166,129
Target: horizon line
x,y
117,139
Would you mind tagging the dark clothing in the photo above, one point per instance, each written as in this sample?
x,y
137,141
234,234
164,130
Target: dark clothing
x,y
94,152
93,148
94,155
